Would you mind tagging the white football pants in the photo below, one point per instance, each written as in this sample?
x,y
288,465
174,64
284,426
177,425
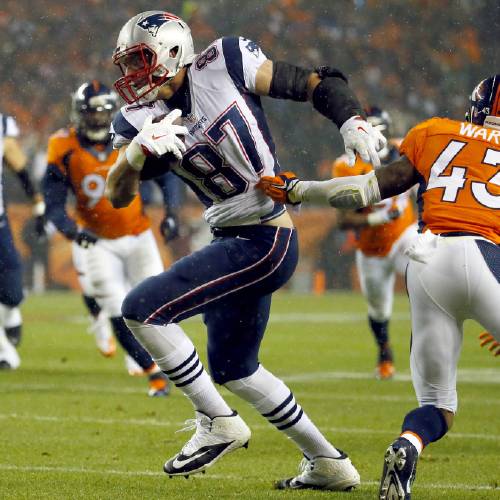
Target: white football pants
x,y
455,284
110,268
377,275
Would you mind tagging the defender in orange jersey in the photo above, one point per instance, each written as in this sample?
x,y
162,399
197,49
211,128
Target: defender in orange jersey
x,y
454,268
383,232
112,249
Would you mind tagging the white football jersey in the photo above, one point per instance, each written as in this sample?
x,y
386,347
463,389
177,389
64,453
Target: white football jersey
x,y
229,146
8,128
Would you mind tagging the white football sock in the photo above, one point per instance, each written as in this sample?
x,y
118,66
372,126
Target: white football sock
x,y
274,400
176,355
12,317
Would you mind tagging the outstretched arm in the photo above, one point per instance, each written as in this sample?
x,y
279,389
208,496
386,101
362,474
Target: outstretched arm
x,y
343,192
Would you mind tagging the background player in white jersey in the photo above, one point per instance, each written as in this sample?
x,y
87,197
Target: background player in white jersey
x,y
112,249
11,286
383,233
226,146
454,268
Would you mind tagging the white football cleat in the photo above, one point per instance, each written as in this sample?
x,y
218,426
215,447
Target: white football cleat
x,y
9,358
323,473
214,438
104,338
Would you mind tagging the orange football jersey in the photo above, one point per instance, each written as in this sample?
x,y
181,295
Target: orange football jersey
x,y
377,241
86,170
459,176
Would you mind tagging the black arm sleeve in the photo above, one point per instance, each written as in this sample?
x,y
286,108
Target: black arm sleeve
x,y
27,183
333,98
55,192
289,81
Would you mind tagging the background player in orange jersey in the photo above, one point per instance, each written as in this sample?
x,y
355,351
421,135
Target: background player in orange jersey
x,y
384,231
112,249
454,268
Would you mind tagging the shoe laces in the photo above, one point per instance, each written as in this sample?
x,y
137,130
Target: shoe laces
x,y
202,427
306,466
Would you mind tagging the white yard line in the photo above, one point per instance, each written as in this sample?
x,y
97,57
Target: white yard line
x,y
295,317
218,477
177,424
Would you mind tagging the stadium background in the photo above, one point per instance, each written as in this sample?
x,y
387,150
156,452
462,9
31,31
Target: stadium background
x,y
415,58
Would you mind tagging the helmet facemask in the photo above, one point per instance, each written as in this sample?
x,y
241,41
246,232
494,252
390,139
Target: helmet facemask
x,y
142,75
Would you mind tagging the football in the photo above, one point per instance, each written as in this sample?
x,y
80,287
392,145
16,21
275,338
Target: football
x,y
157,166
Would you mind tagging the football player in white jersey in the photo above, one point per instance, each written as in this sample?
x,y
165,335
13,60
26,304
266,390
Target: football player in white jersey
x,y
205,110
11,287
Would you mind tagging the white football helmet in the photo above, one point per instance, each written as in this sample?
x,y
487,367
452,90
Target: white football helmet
x,y
151,49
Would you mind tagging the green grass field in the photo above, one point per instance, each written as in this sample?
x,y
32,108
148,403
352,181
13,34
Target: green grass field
x,y
75,425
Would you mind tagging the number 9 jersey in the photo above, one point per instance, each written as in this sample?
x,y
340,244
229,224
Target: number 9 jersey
x,y
84,168
459,177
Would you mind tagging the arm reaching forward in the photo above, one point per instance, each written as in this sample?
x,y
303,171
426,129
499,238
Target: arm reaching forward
x,y
343,192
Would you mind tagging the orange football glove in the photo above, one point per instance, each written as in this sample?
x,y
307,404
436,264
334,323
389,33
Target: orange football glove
x,y
486,338
279,186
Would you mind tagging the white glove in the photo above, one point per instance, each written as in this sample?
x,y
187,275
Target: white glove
x,y
361,137
157,139
382,216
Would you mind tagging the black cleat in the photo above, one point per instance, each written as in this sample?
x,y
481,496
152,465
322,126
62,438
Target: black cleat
x,y
400,467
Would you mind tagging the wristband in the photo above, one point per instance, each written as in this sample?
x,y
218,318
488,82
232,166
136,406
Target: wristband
x,y
135,156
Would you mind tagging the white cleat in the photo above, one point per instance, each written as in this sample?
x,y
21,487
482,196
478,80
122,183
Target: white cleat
x,y
214,438
104,338
323,473
9,358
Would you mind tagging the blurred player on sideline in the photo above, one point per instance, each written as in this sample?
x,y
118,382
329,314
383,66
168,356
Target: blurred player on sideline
x,y
384,231
112,249
225,148
454,268
11,278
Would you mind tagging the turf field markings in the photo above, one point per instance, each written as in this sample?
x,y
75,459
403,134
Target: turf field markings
x,y
260,427
218,477
470,376
297,317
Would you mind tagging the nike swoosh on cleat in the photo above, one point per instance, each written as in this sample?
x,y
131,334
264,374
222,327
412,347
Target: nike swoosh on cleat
x,y
179,464
202,457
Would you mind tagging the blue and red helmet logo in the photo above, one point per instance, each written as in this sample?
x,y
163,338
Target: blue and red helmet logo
x,y
153,23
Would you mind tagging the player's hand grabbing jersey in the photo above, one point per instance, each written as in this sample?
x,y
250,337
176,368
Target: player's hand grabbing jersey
x,y
84,170
377,240
460,180
228,146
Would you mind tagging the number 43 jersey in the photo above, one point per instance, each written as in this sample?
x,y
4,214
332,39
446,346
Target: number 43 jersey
x,y
229,146
459,188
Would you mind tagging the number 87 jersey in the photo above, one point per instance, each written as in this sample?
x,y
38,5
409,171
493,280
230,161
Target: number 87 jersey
x,y
228,146
459,179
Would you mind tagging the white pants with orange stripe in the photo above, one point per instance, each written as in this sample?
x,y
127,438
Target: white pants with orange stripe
x,y
454,284
110,268
377,275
